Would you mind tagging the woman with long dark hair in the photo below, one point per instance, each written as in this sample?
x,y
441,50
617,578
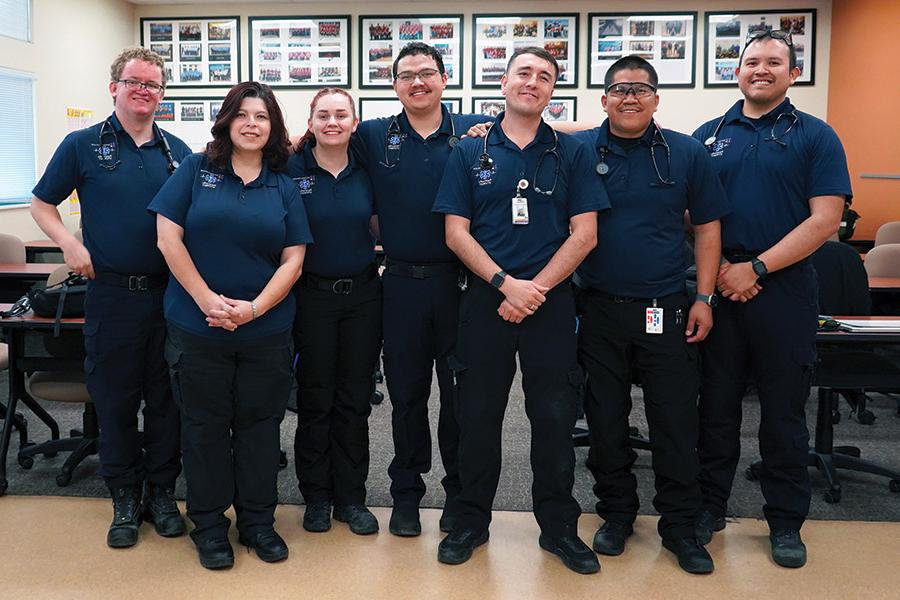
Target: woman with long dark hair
x,y
232,228
337,329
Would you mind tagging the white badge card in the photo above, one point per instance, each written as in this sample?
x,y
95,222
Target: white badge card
x,y
654,320
520,210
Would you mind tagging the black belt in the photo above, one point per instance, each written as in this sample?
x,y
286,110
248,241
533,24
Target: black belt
x,y
342,286
615,298
395,267
134,283
739,256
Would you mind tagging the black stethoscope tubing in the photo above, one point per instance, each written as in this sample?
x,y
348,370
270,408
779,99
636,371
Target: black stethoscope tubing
x,y
778,139
487,163
172,164
394,129
603,168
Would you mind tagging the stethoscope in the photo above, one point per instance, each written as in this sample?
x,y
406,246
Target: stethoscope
x,y
486,163
394,138
111,163
773,136
603,168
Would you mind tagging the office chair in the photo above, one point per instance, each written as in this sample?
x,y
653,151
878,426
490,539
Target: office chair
x,y
12,251
843,287
888,233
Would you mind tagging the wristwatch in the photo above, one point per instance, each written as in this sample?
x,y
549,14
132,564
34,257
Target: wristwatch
x,y
498,279
711,299
759,267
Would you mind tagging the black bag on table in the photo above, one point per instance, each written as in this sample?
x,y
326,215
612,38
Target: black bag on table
x,y
63,300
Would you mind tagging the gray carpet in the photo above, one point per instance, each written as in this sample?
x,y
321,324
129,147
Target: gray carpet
x,y
865,497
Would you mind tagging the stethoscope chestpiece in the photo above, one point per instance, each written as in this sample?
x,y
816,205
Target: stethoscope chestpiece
x,y
453,141
602,168
709,141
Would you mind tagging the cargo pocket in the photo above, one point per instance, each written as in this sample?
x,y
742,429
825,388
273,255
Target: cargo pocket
x,y
457,370
174,357
805,357
91,346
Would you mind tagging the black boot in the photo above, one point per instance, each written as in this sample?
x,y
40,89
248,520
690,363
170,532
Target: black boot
x,y
159,508
123,531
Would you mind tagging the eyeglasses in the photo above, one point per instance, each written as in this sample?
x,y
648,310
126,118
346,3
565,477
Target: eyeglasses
x,y
776,34
134,84
640,90
423,75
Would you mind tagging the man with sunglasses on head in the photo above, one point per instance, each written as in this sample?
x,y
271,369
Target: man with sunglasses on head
x,y
405,156
786,176
117,167
636,316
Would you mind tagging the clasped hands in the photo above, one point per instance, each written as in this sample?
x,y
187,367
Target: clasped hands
x,y
522,299
227,313
738,281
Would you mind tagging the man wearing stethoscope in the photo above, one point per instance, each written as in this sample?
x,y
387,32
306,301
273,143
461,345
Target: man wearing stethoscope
x,y
521,208
786,176
636,316
117,167
405,156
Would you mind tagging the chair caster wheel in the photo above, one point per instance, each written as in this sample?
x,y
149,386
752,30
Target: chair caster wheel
x,y
26,462
282,459
833,496
835,417
63,479
865,417
377,398
752,473
894,485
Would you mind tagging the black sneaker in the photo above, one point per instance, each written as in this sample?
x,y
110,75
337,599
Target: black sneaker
x,y
788,550
358,517
447,522
159,508
405,521
317,517
216,553
268,545
610,538
458,546
706,524
692,557
123,531
574,553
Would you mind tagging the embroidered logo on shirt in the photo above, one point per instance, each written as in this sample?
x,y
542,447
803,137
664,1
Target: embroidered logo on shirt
x,y
718,147
484,176
209,179
305,184
105,152
394,140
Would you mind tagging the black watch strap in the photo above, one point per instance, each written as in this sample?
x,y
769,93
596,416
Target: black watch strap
x,y
498,279
759,267
710,299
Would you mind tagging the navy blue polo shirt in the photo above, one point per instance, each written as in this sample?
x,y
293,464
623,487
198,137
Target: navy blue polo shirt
x,y
485,196
641,241
769,184
405,190
118,231
339,211
235,234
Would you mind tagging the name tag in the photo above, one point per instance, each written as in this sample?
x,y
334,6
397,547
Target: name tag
x,y
654,322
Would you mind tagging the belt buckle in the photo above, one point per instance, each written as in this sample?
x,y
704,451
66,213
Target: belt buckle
x,y
418,271
137,283
622,299
342,286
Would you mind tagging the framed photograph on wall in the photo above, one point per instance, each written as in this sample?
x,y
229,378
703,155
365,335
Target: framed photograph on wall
x,y
199,52
388,106
726,34
496,37
299,52
190,118
666,40
382,37
560,108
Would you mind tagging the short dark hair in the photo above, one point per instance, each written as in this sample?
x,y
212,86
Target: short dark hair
x,y
414,48
792,53
536,51
628,63
276,150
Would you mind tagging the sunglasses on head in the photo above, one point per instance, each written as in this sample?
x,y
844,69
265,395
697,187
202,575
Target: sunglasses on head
x,y
775,34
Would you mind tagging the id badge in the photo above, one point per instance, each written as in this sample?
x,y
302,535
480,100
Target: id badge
x,y
520,210
654,322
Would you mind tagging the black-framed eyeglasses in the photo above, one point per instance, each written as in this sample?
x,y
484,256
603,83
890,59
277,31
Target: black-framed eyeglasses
x,y
410,76
621,90
134,84
775,34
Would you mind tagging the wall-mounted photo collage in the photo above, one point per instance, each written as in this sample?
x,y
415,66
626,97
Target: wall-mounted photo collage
x,y
198,52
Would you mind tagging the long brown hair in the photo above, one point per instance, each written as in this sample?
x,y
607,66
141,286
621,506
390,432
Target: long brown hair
x,y
312,109
276,150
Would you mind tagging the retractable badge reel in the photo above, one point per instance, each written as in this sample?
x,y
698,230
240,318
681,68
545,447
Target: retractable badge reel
x,y
520,204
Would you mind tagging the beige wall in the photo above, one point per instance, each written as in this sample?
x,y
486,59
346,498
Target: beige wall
x,y
73,45
60,27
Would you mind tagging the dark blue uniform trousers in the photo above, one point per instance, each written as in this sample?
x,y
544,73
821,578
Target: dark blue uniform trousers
x,y
771,341
420,322
613,346
232,394
337,337
484,366
124,339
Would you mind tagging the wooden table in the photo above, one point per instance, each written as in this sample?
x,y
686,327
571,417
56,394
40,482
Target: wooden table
x,y
884,284
16,279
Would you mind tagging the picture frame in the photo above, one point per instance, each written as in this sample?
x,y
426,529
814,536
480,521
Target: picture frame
x,y
388,106
189,117
560,109
726,34
300,51
667,40
381,37
496,36
199,52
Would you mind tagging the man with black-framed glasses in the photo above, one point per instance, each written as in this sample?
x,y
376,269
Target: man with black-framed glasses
x,y
117,167
786,177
